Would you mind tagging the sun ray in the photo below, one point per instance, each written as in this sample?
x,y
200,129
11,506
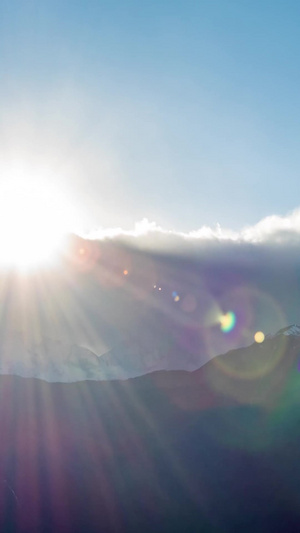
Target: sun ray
x,y
34,221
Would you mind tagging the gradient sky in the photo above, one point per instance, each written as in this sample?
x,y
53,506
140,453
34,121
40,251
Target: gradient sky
x,y
184,112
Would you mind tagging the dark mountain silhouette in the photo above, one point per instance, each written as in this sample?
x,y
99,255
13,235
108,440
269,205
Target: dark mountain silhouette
x,y
214,450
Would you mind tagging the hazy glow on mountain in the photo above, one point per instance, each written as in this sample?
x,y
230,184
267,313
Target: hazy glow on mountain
x,y
33,223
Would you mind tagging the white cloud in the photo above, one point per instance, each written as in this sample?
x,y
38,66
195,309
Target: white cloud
x,y
271,229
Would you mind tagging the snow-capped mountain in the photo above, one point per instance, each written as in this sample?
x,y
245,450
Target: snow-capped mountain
x,y
59,361
290,330
51,360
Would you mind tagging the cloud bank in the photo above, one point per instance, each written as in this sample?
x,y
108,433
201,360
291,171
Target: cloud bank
x,y
271,229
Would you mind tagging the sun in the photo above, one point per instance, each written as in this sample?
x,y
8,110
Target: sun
x,y
33,223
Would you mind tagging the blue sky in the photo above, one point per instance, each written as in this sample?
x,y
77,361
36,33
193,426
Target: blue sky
x,y
184,112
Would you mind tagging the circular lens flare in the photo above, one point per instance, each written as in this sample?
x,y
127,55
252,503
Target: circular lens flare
x,y
259,337
228,321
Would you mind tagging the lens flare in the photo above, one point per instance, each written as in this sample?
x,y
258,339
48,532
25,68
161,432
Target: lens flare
x,y
175,296
259,337
228,321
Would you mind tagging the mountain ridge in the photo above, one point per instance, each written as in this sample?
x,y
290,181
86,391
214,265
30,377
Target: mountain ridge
x,y
55,360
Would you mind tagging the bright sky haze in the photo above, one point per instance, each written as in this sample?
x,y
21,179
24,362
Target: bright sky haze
x,y
184,112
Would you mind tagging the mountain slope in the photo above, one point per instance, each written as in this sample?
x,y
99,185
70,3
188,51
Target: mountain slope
x,y
215,450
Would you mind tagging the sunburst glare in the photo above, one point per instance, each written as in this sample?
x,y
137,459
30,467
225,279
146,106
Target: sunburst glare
x,y
33,223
